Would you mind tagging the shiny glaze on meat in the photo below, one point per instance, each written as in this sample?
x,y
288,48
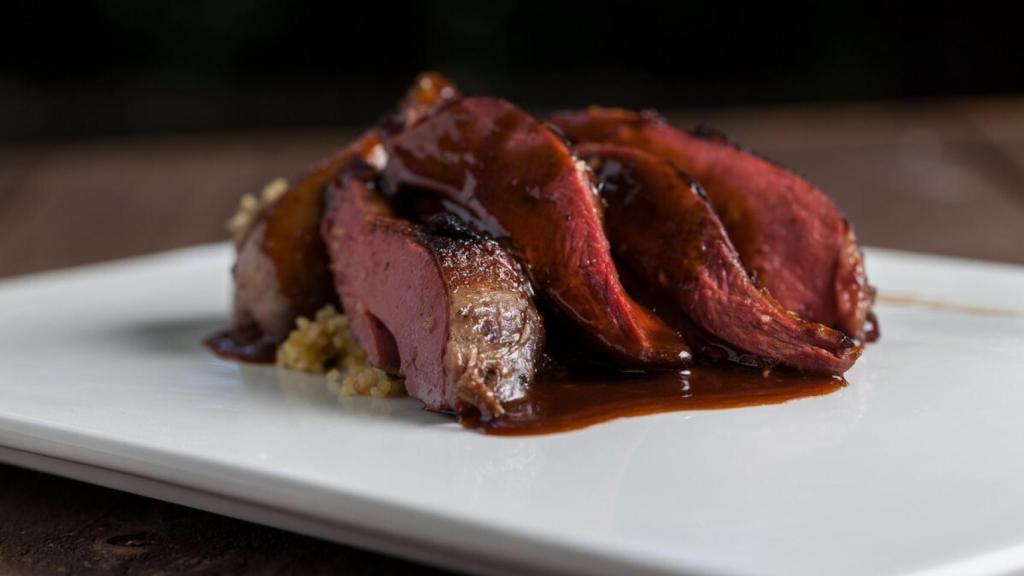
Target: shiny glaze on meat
x,y
511,177
281,271
282,268
789,235
665,234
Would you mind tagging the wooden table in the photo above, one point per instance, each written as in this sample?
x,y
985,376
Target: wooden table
x,y
942,177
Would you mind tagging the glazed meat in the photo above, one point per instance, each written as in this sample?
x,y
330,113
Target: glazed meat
x,y
282,271
449,311
531,277
511,177
282,268
666,236
790,237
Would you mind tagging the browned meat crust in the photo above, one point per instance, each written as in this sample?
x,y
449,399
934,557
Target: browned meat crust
x,y
449,312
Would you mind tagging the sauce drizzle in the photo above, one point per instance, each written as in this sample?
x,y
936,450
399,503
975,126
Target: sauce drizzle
x,y
560,401
911,301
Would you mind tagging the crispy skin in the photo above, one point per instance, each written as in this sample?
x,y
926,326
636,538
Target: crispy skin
x,y
665,234
790,237
451,313
511,177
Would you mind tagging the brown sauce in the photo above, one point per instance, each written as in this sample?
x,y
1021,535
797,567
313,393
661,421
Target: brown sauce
x,y
244,343
911,301
560,401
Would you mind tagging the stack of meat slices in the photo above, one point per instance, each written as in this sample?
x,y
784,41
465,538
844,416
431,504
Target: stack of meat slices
x,y
444,228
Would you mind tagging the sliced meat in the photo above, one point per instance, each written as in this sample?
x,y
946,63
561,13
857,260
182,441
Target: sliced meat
x,y
281,272
510,176
450,313
282,269
790,237
666,235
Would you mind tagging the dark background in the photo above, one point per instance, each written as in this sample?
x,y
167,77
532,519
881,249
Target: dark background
x,y
121,67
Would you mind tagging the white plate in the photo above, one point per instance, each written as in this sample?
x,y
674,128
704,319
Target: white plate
x,y
917,466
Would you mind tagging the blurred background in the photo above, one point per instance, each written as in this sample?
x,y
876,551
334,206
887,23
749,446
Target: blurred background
x,y
127,127
120,67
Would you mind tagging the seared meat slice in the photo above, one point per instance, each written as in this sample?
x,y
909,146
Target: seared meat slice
x,y
452,313
665,234
281,272
282,269
510,176
790,237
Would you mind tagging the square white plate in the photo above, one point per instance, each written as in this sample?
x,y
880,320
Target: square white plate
x,y
916,467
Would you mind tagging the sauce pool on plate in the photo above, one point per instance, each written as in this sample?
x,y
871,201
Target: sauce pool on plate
x,y
560,401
